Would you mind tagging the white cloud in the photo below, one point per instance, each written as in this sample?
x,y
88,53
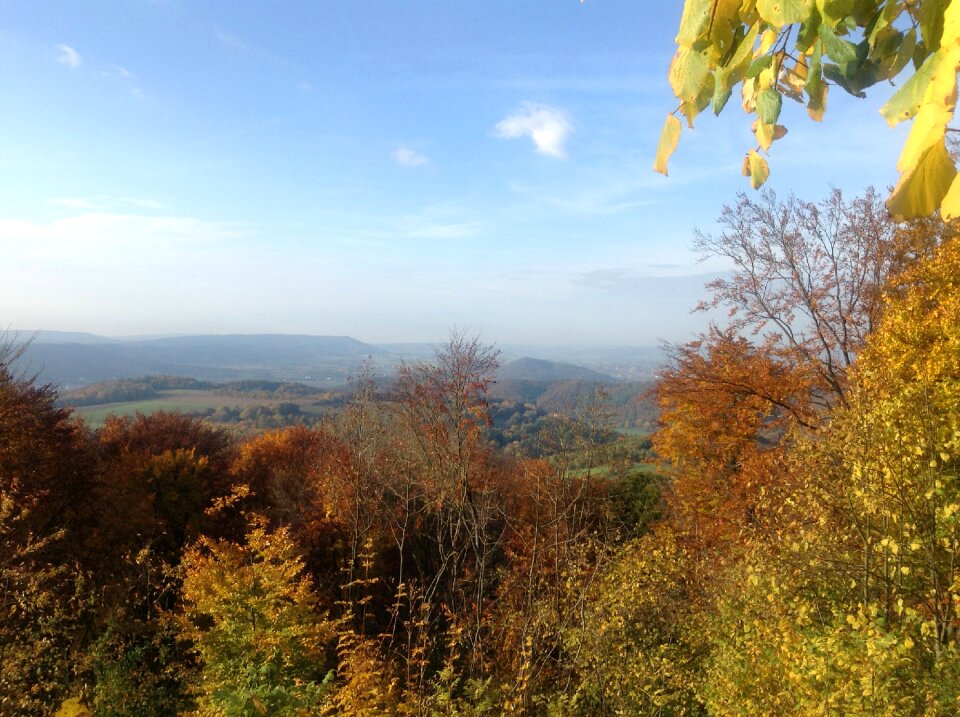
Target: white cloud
x,y
406,157
547,126
66,55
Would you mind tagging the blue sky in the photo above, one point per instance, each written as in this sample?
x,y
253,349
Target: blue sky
x,y
385,169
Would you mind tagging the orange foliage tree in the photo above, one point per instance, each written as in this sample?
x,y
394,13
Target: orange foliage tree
x,y
46,471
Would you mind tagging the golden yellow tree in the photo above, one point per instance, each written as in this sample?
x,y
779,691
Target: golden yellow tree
x,y
253,620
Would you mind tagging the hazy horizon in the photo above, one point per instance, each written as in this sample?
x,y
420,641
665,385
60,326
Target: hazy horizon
x,y
47,335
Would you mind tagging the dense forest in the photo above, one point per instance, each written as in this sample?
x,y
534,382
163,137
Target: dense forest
x,y
797,556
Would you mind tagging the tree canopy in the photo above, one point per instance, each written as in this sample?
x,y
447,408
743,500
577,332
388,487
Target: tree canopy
x,y
797,49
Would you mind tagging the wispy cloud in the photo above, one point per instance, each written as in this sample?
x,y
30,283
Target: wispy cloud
x,y
607,279
406,157
106,202
231,41
439,221
596,196
242,47
547,126
90,237
118,71
456,230
75,203
66,55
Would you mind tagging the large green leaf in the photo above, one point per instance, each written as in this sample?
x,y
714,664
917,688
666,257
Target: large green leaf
x,y
904,52
688,74
834,10
784,12
931,22
722,88
695,18
840,50
744,51
769,103
905,103
809,31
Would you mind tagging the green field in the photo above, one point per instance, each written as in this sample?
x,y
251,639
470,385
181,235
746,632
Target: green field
x,y
185,401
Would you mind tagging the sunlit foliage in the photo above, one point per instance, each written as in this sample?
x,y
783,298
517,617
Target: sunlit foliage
x,y
798,49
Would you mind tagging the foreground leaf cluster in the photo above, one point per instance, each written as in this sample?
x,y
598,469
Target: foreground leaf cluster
x,y
798,49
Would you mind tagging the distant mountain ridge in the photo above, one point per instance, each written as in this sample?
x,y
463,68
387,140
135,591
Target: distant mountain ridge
x,y
72,360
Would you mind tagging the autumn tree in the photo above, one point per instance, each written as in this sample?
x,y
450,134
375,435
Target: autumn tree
x,y
805,291
253,621
364,431
807,278
296,477
851,607
637,649
163,469
798,49
46,471
448,495
155,477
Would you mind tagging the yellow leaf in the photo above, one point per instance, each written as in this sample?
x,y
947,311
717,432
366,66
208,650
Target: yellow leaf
x,y
748,94
688,73
669,137
696,15
767,77
757,169
817,106
767,133
950,207
73,707
784,12
951,25
936,110
766,41
722,23
920,190
795,79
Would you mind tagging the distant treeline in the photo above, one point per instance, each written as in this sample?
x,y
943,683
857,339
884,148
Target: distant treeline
x,y
147,387
129,389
